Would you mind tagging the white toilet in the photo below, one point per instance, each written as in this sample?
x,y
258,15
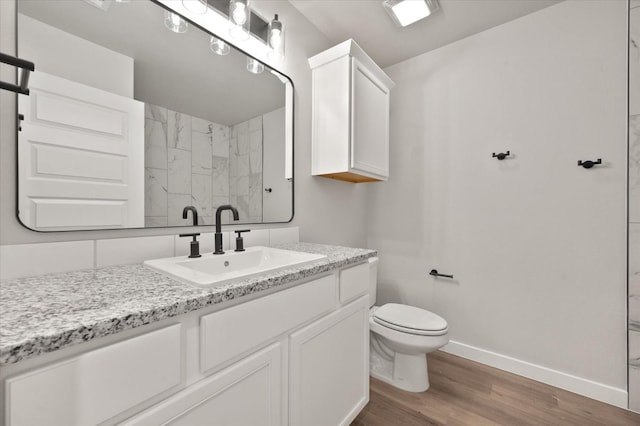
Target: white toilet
x,y
400,338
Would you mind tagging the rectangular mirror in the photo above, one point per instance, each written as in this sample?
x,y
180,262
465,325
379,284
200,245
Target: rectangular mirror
x,y
128,122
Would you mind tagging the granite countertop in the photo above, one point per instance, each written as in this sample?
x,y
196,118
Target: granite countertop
x,y
50,312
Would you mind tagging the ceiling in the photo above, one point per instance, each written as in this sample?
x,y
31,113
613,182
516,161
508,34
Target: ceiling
x,y
370,26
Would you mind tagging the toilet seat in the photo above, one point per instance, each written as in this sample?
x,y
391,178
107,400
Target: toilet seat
x,y
409,319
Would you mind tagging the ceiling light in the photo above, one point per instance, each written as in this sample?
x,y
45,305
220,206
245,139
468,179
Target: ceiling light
x,y
218,46
174,22
406,12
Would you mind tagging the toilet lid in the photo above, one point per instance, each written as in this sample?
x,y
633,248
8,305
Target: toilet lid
x,y
409,318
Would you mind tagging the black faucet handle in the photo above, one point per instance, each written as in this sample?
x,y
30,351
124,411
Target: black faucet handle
x,y
239,232
194,245
189,235
239,240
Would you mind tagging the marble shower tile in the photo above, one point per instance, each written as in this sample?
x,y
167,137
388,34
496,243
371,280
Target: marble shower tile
x,y
634,276
634,61
243,186
176,203
243,165
155,193
255,162
242,204
220,176
155,144
220,140
255,195
201,154
255,124
243,143
201,194
155,112
179,179
634,168
233,166
255,140
152,222
201,126
179,131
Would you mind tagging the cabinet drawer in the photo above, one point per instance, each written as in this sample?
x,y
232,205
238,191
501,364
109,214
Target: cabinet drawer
x,y
98,385
354,282
236,330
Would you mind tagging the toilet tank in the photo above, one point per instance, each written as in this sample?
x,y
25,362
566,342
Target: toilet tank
x,y
373,279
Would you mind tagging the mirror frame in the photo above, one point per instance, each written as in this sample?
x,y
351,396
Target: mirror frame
x,y
289,100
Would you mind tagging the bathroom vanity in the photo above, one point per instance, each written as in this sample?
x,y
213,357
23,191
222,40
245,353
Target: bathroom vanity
x,y
127,345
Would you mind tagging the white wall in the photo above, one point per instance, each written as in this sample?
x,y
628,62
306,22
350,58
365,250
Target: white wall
x,y
537,244
326,211
65,55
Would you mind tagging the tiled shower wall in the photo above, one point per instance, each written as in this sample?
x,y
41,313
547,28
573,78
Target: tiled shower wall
x,y
191,161
245,169
634,206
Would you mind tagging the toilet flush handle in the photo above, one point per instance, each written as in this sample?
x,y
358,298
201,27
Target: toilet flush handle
x,y
434,272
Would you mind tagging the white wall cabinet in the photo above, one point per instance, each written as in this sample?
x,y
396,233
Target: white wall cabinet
x,y
350,115
298,356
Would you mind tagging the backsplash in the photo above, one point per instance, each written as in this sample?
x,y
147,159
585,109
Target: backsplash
x,y
24,260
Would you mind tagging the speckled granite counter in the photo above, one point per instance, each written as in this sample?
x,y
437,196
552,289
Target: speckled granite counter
x,y
50,312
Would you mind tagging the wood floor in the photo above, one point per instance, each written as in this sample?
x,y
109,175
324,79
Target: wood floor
x,y
464,392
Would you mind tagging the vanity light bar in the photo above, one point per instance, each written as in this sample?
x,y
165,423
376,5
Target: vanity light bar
x,y
259,27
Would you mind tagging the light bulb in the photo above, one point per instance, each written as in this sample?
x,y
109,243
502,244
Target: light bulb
x,y
275,40
240,19
254,66
196,6
218,46
174,22
239,14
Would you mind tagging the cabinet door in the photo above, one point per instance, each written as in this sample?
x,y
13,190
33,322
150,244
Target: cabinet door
x,y
370,118
98,385
247,393
329,368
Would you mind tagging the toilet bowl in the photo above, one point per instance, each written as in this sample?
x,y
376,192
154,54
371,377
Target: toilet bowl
x,y
400,338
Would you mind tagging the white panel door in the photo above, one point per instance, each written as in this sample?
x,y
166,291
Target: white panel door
x,y
329,368
370,118
81,157
246,394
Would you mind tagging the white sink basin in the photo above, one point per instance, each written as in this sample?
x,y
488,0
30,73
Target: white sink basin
x,y
214,270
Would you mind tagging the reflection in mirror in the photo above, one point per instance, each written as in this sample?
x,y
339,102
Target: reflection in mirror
x,y
128,122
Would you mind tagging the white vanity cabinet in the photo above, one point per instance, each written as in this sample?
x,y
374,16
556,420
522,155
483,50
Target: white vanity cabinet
x,y
297,356
350,116
95,386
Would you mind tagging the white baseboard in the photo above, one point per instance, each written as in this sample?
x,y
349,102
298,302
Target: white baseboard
x,y
585,387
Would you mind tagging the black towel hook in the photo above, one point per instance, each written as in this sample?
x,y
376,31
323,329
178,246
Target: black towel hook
x,y
589,164
501,155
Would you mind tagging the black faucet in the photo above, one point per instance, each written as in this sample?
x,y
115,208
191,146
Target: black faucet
x,y
195,245
218,235
194,214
